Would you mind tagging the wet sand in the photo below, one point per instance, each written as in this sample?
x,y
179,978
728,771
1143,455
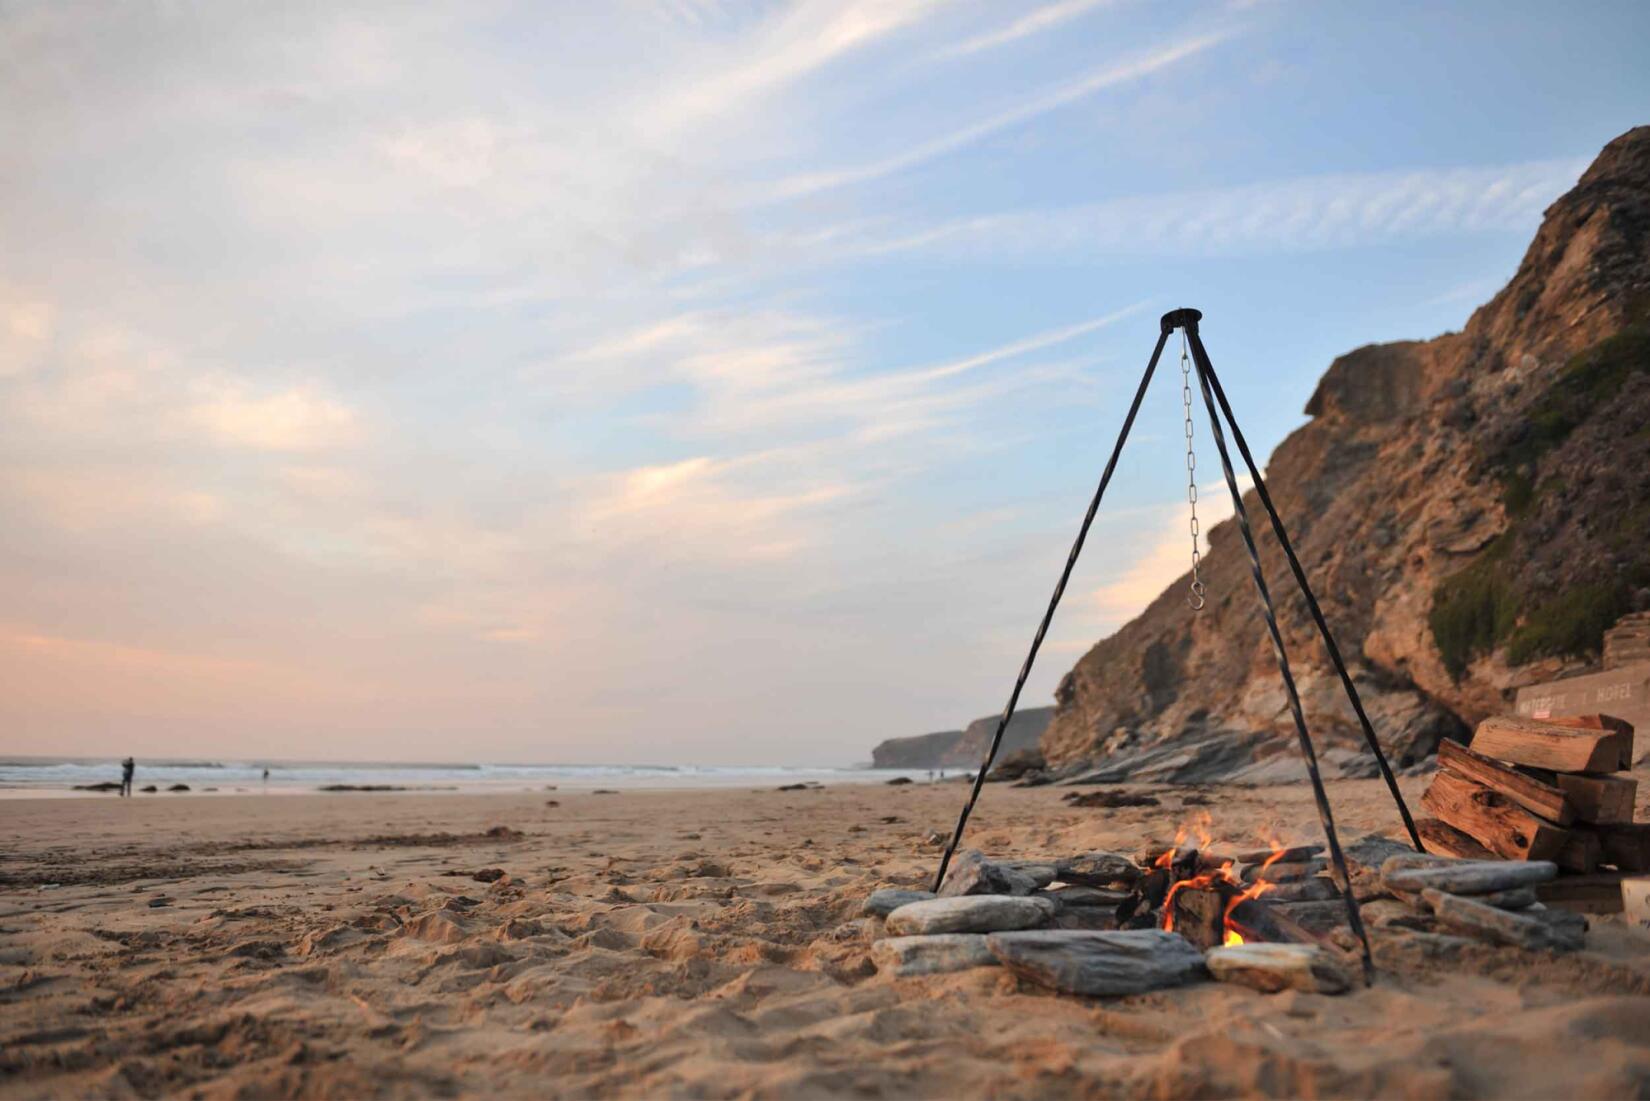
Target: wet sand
x,y
698,944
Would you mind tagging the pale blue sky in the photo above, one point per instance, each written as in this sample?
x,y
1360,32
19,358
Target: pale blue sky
x,y
685,381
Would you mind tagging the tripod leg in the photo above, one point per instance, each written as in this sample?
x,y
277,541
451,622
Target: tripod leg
x,y
1311,599
1325,815
1053,603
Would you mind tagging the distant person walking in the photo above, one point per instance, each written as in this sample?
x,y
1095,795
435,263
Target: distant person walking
x,y
266,780
127,768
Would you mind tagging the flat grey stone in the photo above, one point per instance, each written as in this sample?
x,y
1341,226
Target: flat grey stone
x,y
1293,854
1467,877
932,955
1316,889
1041,873
1514,898
1086,917
1274,967
972,874
970,914
1372,850
1087,896
1097,869
1524,929
1099,964
886,900
1284,871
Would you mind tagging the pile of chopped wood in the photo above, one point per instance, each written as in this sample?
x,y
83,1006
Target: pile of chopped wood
x,y
1543,790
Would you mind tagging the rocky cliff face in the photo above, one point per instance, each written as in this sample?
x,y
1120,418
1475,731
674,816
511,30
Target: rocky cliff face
x,y
917,751
1473,511
1025,731
964,749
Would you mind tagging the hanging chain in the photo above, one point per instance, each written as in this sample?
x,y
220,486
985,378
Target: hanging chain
x,y
1194,598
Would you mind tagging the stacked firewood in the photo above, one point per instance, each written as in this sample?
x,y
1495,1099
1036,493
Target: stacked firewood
x,y
1543,790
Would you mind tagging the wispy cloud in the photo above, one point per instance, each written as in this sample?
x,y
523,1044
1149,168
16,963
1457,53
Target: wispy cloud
x,y
801,40
1033,22
1314,212
298,419
1106,76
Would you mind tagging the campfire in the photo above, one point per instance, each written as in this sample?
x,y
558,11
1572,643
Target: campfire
x,y
1212,897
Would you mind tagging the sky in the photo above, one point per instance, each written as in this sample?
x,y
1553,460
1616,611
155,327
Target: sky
x,y
687,381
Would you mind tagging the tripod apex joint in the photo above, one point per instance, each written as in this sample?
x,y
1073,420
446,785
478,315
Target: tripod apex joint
x,y
1183,318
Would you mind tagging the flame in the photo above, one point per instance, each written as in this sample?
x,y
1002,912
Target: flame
x,y
1222,874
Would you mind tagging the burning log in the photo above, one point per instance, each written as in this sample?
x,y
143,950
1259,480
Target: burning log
x,y
1198,913
1254,921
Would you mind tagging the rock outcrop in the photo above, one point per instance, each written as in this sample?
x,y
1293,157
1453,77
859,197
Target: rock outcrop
x,y
1472,511
918,751
964,749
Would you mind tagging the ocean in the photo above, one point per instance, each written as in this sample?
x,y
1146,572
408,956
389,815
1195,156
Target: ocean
x,y
25,776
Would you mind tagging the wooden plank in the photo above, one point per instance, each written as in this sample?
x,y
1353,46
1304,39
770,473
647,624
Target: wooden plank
x,y
1496,822
1582,851
1626,845
1545,799
1598,893
1599,799
1551,745
1443,839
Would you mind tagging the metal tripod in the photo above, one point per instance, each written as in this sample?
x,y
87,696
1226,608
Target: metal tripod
x,y
1214,397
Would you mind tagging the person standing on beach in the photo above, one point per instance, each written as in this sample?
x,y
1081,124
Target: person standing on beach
x,y
127,768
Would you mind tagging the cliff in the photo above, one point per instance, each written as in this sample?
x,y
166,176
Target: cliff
x,y
1472,511
964,749
917,751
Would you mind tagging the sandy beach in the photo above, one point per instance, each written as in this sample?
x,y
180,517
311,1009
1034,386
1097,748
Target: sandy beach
x,y
697,944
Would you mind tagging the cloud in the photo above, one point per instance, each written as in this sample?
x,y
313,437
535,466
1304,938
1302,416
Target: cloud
x,y
1305,213
26,327
923,151
1033,22
699,508
801,40
299,419
1164,561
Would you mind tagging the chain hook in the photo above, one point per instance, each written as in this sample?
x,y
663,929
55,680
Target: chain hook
x,y
1195,595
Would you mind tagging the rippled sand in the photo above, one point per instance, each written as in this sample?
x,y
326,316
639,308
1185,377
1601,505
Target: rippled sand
x,y
701,944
